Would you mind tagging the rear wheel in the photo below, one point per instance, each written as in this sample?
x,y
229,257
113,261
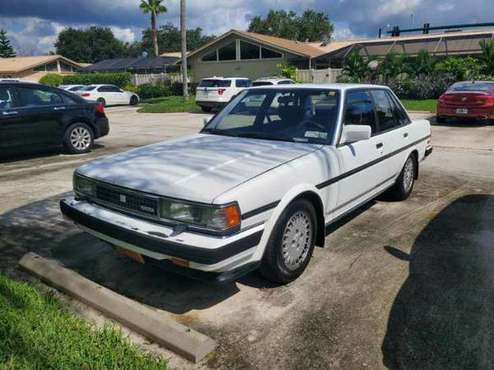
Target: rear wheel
x,y
440,119
291,244
101,101
78,138
404,184
206,109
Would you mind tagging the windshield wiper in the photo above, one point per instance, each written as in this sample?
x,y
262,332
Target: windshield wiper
x,y
258,135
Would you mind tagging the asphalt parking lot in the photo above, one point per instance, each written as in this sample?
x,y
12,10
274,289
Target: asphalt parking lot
x,y
398,285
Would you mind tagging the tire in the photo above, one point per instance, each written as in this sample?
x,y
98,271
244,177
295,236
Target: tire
x,y
283,261
101,101
206,109
404,184
440,119
78,138
133,100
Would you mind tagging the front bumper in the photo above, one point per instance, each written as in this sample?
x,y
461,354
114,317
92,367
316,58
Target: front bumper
x,y
161,243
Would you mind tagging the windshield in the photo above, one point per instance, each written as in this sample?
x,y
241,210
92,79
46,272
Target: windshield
x,y
299,115
215,83
472,86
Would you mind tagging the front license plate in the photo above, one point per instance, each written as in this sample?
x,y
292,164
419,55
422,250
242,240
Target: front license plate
x,y
132,255
462,111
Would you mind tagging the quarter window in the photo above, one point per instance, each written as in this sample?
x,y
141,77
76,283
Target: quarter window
x,y
228,52
385,110
359,110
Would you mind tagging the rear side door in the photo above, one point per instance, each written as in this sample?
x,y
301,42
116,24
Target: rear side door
x,y
393,131
361,171
41,110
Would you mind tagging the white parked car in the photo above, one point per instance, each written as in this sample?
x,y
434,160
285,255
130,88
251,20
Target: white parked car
x,y
216,92
259,185
72,88
108,95
270,81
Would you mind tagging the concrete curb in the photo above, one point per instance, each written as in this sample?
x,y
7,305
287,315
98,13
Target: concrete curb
x,y
146,321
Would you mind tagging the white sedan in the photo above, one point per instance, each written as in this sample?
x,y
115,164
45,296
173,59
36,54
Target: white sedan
x,y
258,186
108,95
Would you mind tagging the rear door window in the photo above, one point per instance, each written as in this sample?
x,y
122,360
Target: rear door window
x,y
33,97
359,109
7,99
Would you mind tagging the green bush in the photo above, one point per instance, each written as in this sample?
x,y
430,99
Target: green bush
x,y
130,87
147,91
120,79
51,79
177,88
467,68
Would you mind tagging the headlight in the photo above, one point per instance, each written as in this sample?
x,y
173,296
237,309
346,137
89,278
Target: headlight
x,y
204,216
83,186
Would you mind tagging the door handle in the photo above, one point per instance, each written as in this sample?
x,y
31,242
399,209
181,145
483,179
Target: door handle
x,y
379,145
405,134
59,108
11,113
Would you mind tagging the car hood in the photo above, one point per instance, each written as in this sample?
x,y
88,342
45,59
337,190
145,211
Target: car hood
x,y
197,168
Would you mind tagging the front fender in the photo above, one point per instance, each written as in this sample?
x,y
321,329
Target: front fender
x,y
288,198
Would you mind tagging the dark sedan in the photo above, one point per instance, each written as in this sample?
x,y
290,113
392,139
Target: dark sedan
x,y
35,117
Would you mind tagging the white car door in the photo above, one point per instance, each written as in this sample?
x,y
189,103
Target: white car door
x,y
362,171
118,95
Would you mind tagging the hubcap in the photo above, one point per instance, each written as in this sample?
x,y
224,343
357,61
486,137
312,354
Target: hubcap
x,y
408,175
80,138
297,239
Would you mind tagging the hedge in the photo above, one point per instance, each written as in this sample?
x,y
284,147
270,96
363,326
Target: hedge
x,y
147,91
120,79
51,79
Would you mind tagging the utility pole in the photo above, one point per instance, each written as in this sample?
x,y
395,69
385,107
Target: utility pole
x,y
183,31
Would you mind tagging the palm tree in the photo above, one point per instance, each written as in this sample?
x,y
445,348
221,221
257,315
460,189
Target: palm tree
x,y
183,31
356,67
154,7
423,64
487,56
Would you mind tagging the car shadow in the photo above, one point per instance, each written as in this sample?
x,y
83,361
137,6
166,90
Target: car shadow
x,y
40,228
44,154
443,315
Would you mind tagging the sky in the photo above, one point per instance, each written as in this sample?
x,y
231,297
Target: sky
x,y
33,25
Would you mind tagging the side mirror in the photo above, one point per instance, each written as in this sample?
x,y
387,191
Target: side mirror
x,y
354,133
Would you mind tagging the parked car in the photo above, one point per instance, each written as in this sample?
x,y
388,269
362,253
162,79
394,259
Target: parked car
x,y
71,88
258,186
34,117
468,99
109,95
270,81
215,92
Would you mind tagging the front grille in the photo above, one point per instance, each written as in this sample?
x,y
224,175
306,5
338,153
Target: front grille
x,y
127,200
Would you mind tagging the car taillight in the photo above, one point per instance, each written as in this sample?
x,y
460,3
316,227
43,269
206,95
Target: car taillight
x,y
85,94
100,108
221,91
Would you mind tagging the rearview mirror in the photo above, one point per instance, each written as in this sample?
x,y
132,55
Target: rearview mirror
x,y
354,133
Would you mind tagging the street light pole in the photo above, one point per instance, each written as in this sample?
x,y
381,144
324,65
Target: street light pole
x,y
183,31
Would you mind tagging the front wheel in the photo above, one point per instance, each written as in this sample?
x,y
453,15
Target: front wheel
x,y
78,138
291,244
134,100
404,184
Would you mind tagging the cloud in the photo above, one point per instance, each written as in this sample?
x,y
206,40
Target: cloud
x,y
28,20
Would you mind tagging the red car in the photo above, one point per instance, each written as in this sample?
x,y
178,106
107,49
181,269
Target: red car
x,y
469,99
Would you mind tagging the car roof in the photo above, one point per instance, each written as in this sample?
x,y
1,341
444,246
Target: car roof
x,y
334,86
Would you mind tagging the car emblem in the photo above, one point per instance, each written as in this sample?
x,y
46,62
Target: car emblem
x,y
464,98
123,198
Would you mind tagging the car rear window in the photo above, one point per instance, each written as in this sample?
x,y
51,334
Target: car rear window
x,y
475,86
215,83
262,83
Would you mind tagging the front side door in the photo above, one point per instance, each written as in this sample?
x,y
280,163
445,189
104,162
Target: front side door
x,y
11,137
361,171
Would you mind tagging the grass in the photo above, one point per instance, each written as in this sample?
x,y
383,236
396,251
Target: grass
x,y
428,105
170,104
37,332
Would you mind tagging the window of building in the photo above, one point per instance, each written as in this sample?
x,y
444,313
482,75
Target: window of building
x,y
270,54
249,51
228,52
210,57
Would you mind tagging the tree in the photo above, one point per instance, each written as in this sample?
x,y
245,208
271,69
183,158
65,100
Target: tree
x,y
487,56
153,7
169,39
392,66
89,45
423,64
183,35
356,67
310,26
460,69
6,50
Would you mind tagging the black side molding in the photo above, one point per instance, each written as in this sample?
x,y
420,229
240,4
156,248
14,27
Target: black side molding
x,y
159,245
259,210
